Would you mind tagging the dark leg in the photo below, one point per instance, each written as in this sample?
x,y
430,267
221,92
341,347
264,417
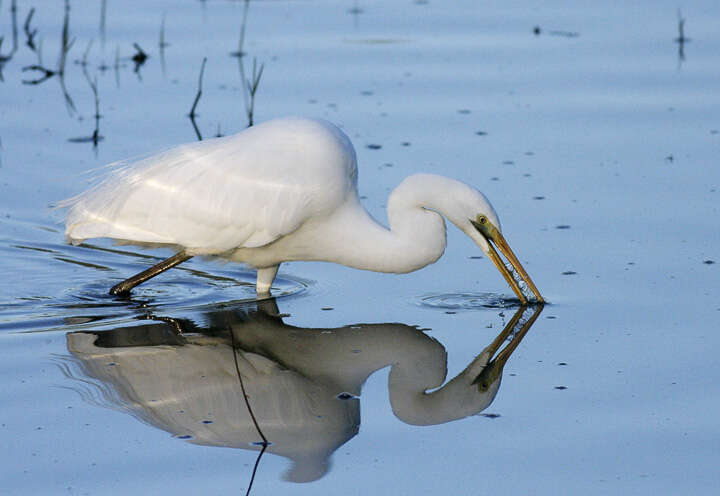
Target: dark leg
x,y
124,287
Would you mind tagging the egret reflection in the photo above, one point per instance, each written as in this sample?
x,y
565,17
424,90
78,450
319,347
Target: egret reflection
x,y
303,385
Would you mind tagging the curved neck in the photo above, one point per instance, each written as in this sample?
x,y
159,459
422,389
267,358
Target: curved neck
x,y
415,239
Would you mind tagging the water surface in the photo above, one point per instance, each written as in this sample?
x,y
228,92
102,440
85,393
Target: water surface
x,y
595,136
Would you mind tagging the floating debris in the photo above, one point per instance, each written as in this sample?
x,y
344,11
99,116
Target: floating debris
x,y
537,31
139,57
373,146
86,139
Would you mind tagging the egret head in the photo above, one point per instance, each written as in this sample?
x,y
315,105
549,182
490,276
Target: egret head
x,y
469,210
490,239
472,212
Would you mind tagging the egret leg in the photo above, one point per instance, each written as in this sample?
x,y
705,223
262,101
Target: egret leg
x,y
124,287
265,278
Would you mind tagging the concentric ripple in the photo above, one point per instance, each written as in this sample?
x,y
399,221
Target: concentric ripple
x,y
469,301
54,286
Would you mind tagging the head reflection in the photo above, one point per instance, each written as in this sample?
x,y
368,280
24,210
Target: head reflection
x,y
302,384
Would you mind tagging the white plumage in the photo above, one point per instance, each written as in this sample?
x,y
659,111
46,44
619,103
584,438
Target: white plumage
x,y
280,191
244,190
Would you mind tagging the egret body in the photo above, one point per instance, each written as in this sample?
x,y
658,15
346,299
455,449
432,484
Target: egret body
x,y
281,191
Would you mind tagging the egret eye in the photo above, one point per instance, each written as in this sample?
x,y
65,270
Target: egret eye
x,y
482,219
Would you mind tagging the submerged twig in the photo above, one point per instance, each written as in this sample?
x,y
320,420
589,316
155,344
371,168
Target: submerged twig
x,y
38,51
65,45
84,62
13,15
241,41
197,99
103,14
45,74
116,66
30,33
95,137
4,59
251,87
681,38
681,28
162,44
66,42
199,91
96,133
355,11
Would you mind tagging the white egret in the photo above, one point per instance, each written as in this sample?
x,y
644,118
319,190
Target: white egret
x,y
281,191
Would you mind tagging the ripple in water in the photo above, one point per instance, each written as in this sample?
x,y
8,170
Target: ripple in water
x,y
199,289
469,301
89,304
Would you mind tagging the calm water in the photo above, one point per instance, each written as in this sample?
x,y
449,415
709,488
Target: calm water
x,y
597,141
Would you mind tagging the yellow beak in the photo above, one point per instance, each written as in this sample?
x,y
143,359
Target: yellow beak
x,y
495,238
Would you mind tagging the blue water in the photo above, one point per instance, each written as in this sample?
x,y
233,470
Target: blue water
x,y
596,140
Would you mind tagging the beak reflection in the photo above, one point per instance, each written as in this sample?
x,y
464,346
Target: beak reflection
x,y
512,334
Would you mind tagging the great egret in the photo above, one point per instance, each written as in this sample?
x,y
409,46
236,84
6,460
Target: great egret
x,y
281,191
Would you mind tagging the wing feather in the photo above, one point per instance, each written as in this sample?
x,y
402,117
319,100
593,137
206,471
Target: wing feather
x,y
245,190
